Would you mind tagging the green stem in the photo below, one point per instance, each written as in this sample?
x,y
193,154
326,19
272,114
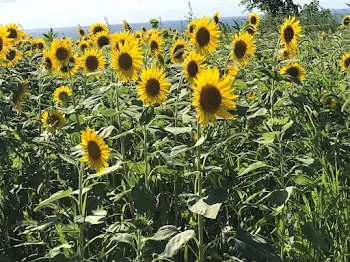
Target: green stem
x,y
82,213
39,100
146,153
122,147
73,98
199,192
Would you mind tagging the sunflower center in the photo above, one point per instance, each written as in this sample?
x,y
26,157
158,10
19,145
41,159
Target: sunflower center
x,y
61,53
138,36
288,34
48,63
91,62
216,19
65,69
72,60
1,44
11,55
253,20
152,87
154,46
347,62
192,69
12,33
97,29
94,150
346,21
102,41
54,120
63,96
179,54
240,49
40,46
293,71
83,47
81,32
192,27
210,99
203,37
125,61
250,30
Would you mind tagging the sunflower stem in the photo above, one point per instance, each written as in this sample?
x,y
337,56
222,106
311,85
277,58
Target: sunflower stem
x,y
73,97
81,211
146,153
199,192
39,100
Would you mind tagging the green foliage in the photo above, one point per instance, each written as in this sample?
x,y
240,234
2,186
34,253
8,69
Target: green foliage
x,y
272,7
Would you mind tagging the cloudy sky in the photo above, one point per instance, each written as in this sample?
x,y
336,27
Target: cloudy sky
x,y
33,14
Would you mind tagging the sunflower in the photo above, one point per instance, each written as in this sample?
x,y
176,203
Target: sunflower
x,y
40,44
101,39
156,44
290,32
178,51
205,36
126,25
47,60
12,57
285,55
150,33
143,28
251,95
216,17
70,68
81,32
254,19
243,48
193,65
324,34
122,38
96,28
14,33
153,86
345,62
190,27
294,70
19,96
61,51
160,59
84,44
92,60
53,119
250,29
346,21
127,61
62,94
4,43
138,35
213,96
96,151
232,71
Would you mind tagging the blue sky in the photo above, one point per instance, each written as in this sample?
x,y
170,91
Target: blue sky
x,y
33,14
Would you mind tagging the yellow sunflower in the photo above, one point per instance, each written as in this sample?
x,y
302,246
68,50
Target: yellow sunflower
x,y
243,48
285,55
126,25
97,27
153,86
92,60
39,44
84,44
251,95
193,65
290,32
324,34
232,71
345,62
138,35
4,43
47,60
143,28
346,21
101,39
179,51
190,27
205,36
81,32
121,38
250,29
14,33
62,95
96,151
61,51
148,34
213,96
20,96
156,44
12,57
294,70
70,68
53,119
127,61
216,17
160,59
254,19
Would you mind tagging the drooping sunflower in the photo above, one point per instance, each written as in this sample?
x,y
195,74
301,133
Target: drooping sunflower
x,y
205,36
84,44
160,59
143,28
346,21
62,95
285,55
213,96
81,32
47,60
153,86
345,62
243,48
12,57
156,44
101,39
53,119
294,70
40,44
193,65
121,38
61,51
254,19
96,28
250,29
92,60
127,61
4,43
20,96
179,51
96,151
290,32
70,68
126,25
14,33
216,17
232,71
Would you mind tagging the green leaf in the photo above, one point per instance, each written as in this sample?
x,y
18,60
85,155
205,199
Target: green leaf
x,y
108,112
165,232
177,242
199,142
306,160
106,171
178,130
303,180
259,112
97,217
240,84
204,206
253,167
106,131
147,115
69,159
314,236
56,196
178,150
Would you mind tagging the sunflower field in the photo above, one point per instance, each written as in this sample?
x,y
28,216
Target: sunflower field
x,y
213,143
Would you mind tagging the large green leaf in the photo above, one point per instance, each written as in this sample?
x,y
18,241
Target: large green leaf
x,y
56,196
253,167
204,206
314,236
177,242
165,232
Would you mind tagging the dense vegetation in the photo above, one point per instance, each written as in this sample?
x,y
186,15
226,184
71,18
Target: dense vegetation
x,y
271,184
